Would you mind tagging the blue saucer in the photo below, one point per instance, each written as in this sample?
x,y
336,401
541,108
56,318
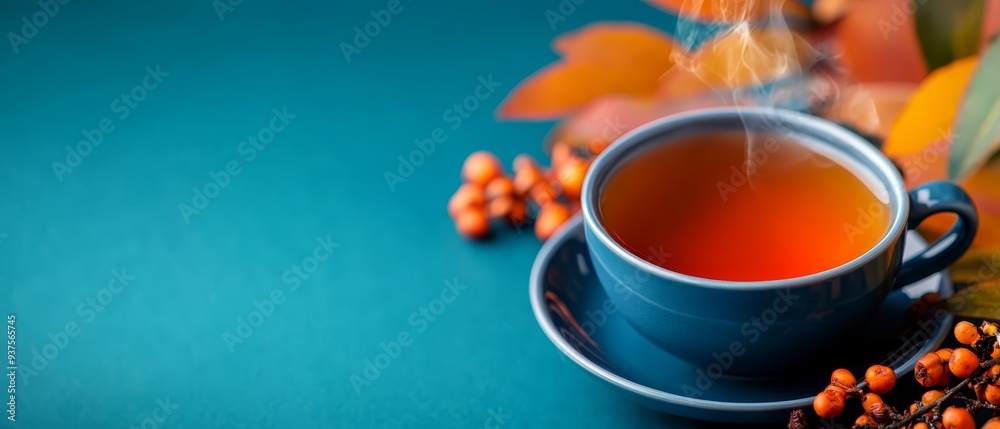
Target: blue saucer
x,y
577,316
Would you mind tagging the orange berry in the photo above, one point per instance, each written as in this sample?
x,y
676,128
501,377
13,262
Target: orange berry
x,y
921,425
996,352
523,161
498,187
930,396
994,371
963,362
993,423
550,218
980,390
518,213
966,333
929,370
880,378
570,177
526,178
946,378
945,354
870,399
543,193
843,377
914,407
467,195
865,420
992,394
837,388
501,207
957,418
829,404
473,223
481,167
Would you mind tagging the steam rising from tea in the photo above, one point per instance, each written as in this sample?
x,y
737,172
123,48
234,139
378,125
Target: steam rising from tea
x,y
751,57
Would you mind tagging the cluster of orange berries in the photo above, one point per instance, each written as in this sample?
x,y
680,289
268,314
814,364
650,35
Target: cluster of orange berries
x,y
977,366
547,197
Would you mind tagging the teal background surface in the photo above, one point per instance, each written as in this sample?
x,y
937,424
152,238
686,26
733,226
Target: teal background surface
x,y
160,342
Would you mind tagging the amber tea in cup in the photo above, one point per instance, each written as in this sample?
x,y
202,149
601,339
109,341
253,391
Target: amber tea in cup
x,y
723,206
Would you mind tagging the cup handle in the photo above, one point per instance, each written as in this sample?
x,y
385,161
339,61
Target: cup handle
x,y
930,199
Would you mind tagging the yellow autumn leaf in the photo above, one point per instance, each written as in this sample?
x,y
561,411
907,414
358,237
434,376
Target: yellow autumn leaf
x,y
930,113
979,301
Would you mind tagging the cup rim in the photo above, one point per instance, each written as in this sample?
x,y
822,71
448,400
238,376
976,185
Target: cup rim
x,y
873,159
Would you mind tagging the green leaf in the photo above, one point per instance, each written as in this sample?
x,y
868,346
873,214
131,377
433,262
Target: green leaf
x,y
947,29
965,43
977,131
981,301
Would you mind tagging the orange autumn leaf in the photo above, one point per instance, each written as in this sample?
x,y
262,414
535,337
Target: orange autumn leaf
x,y
739,59
606,118
729,11
878,42
609,117
598,60
929,116
609,43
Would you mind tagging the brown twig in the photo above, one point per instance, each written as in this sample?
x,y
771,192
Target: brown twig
x,y
951,392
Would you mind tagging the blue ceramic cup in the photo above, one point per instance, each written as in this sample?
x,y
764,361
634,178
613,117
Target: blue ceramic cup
x,y
764,327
